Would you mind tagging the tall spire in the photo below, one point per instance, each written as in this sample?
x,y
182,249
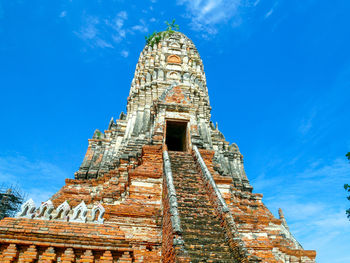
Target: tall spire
x,y
169,84
174,60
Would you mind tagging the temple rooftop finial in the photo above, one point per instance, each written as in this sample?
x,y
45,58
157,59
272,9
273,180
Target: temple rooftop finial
x,y
282,218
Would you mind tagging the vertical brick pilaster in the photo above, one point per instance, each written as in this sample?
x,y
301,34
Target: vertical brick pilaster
x,y
125,258
30,255
88,257
106,257
49,256
10,254
68,256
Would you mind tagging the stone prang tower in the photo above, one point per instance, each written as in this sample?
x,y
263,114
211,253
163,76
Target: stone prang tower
x,y
161,184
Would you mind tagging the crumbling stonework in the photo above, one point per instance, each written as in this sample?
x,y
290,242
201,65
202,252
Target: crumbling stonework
x,y
161,184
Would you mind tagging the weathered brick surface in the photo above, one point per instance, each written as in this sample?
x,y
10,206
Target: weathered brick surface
x,y
68,256
168,248
171,252
9,254
48,256
135,219
30,255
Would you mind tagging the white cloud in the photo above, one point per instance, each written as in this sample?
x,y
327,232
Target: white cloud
x,y
103,44
117,24
63,14
314,204
307,122
256,2
269,13
272,10
140,28
124,53
106,32
123,15
327,231
94,30
206,14
89,31
38,179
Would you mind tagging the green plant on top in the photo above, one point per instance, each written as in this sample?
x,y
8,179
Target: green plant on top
x,y
98,135
156,37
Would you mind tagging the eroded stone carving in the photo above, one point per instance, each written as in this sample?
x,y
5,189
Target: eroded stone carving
x,y
174,59
79,213
62,211
45,210
173,75
97,214
27,209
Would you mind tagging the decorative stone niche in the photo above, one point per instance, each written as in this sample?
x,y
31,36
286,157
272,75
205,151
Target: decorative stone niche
x,y
174,59
79,213
62,211
173,76
27,209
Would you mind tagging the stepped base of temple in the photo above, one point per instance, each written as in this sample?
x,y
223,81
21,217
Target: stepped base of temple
x,y
138,225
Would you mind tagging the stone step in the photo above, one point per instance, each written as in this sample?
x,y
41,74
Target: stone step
x,y
206,245
194,192
193,239
191,233
198,205
209,258
193,182
196,198
192,212
197,252
204,238
188,185
200,227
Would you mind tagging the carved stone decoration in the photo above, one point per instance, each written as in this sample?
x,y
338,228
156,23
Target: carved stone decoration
x,y
45,210
98,209
79,213
176,95
27,209
174,44
62,211
186,78
174,59
173,75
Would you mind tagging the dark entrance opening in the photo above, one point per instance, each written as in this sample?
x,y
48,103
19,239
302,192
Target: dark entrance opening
x,y
176,136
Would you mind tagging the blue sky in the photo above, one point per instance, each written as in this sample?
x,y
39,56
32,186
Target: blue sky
x,y
278,74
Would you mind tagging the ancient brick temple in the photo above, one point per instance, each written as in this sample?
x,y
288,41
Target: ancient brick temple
x,y
161,184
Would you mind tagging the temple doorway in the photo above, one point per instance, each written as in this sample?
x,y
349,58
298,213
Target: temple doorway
x,y
176,135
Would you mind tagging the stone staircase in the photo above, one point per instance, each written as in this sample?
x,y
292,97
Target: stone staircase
x,y
203,236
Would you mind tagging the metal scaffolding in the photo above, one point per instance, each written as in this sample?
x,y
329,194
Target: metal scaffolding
x,y
11,199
